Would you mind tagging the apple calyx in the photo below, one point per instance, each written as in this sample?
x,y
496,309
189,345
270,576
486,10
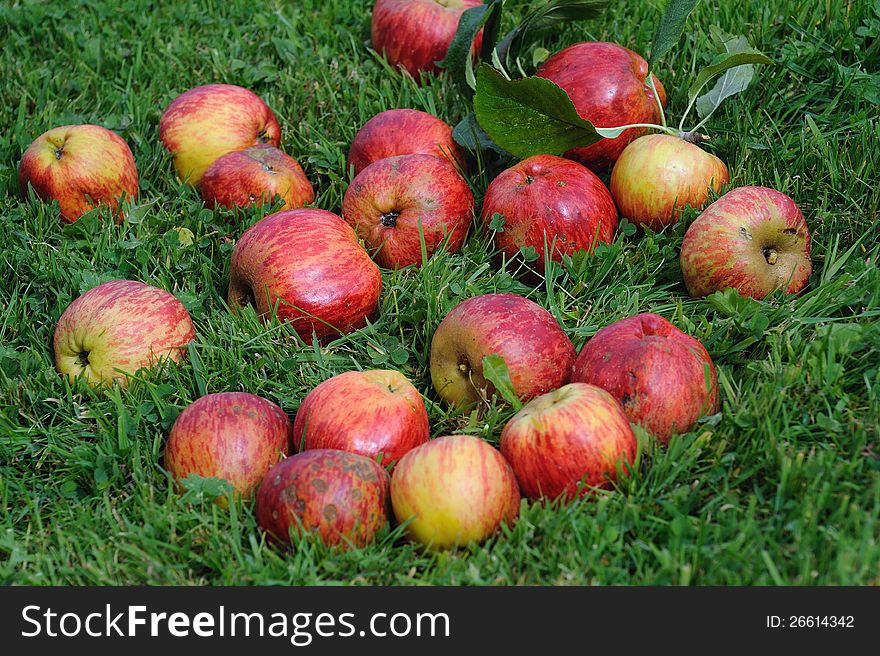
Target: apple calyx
x,y
389,219
770,254
83,357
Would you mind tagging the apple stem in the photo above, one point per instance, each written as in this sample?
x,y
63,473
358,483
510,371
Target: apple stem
x,y
694,137
653,86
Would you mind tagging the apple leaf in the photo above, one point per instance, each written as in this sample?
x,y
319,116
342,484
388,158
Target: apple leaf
x,y
530,116
470,135
459,61
671,26
496,372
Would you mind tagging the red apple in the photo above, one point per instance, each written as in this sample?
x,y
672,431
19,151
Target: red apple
x,y
378,414
538,354
403,132
664,378
307,263
452,491
388,201
752,239
606,83
415,34
549,198
565,442
207,122
657,175
255,175
118,327
232,435
80,166
341,497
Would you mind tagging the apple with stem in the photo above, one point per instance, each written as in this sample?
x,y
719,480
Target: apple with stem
x,y
82,167
254,176
538,354
377,413
664,378
403,132
398,203
753,239
453,491
307,266
209,121
415,34
562,444
119,327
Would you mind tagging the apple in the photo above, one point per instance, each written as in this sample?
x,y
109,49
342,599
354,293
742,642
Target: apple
x,y
307,263
341,497
389,201
80,166
415,34
552,199
563,443
658,174
378,414
664,378
209,121
538,354
403,132
452,491
231,435
118,327
752,239
255,175
606,83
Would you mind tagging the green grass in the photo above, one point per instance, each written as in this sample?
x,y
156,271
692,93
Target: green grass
x,y
782,487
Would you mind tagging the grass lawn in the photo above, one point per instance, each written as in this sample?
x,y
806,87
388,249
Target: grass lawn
x,y
782,487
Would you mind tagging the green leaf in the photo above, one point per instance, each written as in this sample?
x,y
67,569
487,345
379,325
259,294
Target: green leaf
x,y
459,61
529,116
671,26
496,372
470,135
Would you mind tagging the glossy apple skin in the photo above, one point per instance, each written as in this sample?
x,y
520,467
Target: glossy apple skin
x,y
606,83
387,201
341,497
80,166
664,378
563,443
118,327
403,132
752,239
378,414
455,490
254,176
538,354
309,263
231,435
414,34
657,175
549,198
209,121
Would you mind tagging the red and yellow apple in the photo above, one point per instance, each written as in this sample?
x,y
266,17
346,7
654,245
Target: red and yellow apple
x,y
606,83
378,414
657,175
340,497
394,202
563,443
752,239
308,264
453,491
116,328
209,121
254,176
537,352
80,166
664,378
231,435
415,34
552,199
403,132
